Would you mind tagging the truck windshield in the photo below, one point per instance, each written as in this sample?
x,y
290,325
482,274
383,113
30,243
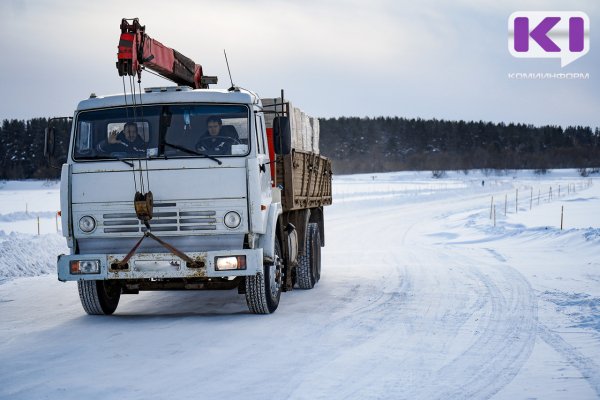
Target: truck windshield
x,y
162,131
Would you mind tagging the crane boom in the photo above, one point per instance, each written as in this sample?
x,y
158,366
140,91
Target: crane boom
x,y
137,50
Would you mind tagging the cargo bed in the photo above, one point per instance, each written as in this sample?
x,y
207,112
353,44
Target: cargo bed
x,y
305,180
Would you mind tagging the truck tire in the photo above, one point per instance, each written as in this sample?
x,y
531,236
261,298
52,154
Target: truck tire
x,y
263,290
309,264
99,297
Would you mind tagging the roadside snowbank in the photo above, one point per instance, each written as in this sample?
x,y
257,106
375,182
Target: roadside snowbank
x,y
26,255
23,252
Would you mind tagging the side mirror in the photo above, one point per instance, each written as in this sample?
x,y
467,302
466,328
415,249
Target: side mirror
x,y
54,136
49,142
282,135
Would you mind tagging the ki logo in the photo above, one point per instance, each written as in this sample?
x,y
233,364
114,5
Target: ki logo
x,y
549,34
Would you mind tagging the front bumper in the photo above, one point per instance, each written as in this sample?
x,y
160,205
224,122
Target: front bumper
x,y
160,265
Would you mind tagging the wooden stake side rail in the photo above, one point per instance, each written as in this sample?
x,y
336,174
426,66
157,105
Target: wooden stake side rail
x,y
306,180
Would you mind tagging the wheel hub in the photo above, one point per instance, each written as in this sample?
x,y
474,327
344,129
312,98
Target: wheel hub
x,y
275,276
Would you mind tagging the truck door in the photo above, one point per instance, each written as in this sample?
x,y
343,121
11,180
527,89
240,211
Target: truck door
x,y
260,212
263,161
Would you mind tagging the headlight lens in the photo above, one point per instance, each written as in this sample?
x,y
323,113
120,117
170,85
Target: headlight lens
x,y
85,267
232,219
87,224
230,263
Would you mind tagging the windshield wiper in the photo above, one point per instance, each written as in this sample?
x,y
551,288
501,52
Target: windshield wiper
x,y
189,151
125,161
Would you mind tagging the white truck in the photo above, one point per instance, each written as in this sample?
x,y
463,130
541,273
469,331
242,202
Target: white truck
x,y
148,202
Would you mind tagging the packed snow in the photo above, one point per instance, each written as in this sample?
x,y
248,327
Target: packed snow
x,y
26,208
463,287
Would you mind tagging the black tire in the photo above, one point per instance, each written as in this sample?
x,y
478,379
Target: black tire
x,y
309,264
263,290
99,297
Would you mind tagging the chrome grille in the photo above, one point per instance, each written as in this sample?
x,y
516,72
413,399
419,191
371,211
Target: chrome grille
x,y
168,219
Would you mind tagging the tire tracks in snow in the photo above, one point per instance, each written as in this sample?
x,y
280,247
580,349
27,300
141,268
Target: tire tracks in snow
x,y
408,307
357,325
419,334
506,330
586,366
501,349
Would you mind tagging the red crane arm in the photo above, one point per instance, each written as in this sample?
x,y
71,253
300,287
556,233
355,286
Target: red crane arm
x,y
137,49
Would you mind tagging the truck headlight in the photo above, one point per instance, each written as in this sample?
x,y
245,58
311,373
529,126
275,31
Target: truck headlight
x,y
87,224
230,263
232,219
85,267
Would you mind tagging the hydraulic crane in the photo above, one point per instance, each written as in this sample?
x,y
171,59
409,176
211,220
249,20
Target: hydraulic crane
x,y
137,51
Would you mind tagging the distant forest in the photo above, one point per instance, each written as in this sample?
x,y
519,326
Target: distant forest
x,y
397,144
372,145
22,148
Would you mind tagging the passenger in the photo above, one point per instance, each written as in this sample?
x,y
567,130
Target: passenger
x,y
126,141
217,139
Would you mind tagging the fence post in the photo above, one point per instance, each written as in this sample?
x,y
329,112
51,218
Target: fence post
x,y
517,202
491,206
531,200
539,192
38,225
505,203
562,211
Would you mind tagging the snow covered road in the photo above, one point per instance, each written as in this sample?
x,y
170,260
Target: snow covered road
x,y
421,297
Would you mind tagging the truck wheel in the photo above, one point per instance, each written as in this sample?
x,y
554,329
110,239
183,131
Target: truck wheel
x,y
263,290
309,264
99,297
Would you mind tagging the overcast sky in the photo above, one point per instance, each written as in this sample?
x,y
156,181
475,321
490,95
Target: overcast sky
x,y
428,59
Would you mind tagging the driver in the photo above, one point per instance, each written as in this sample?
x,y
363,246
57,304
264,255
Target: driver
x,y
216,140
126,141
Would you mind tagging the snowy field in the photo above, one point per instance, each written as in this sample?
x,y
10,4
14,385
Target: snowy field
x,y
447,288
